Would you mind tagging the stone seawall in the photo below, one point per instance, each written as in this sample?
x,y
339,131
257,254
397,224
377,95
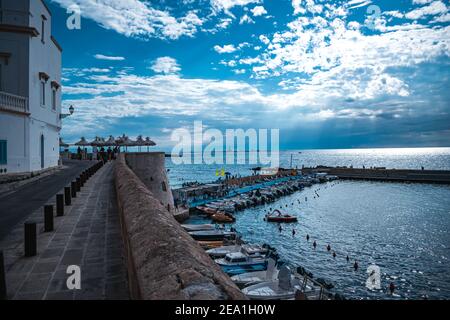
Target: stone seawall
x,y
164,262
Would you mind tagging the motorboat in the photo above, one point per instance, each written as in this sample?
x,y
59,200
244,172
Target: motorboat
x,y
248,249
238,263
206,210
277,216
198,227
282,288
223,217
251,278
212,235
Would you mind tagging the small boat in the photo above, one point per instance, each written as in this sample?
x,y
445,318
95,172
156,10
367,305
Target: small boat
x,y
248,249
251,278
198,227
223,217
206,210
238,263
277,216
282,288
206,245
212,235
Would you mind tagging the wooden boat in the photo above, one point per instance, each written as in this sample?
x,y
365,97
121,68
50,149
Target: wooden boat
x,y
206,245
206,210
277,216
198,227
223,217
212,235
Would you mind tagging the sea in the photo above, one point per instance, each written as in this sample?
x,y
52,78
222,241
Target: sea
x,y
403,229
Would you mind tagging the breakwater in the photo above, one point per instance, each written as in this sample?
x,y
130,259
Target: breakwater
x,y
383,174
164,262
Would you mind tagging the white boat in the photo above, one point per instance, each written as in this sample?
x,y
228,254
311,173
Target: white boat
x,y
238,263
198,227
282,288
247,249
251,278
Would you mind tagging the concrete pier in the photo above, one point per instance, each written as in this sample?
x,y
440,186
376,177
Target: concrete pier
x,y
383,174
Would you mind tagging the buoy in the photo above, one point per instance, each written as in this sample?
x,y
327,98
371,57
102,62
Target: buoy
x,y
307,237
392,288
328,248
334,254
348,259
314,244
356,266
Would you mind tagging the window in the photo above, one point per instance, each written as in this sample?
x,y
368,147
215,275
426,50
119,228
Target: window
x,y
3,152
43,29
42,93
54,99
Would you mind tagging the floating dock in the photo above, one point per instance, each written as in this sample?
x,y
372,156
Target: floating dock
x,y
383,174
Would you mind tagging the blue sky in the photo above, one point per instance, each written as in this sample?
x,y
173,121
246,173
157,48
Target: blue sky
x,y
328,74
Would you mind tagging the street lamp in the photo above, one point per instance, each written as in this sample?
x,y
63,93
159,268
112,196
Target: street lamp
x,y
65,115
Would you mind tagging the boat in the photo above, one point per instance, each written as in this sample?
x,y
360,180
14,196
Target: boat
x,y
212,235
223,217
251,278
282,288
277,216
198,227
206,245
206,210
237,263
248,249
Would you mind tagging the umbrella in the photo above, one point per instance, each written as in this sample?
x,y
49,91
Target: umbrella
x,y
98,142
149,143
62,143
82,142
140,142
126,142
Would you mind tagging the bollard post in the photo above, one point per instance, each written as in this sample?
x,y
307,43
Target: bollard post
x,y
78,184
73,188
3,291
59,205
81,180
67,196
48,218
30,239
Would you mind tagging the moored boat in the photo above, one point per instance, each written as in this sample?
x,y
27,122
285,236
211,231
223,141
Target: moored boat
x,y
248,249
198,227
251,278
223,217
277,216
212,235
238,263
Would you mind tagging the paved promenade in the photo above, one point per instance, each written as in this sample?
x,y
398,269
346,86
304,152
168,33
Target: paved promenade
x,y
14,209
87,236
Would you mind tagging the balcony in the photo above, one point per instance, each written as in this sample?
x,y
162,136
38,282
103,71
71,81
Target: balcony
x,y
13,103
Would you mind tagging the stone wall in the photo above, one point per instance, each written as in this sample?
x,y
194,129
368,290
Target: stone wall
x,y
164,262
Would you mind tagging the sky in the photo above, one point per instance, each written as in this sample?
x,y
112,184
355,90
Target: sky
x,y
327,74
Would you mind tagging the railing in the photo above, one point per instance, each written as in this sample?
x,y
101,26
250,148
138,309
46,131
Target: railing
x,y
13,103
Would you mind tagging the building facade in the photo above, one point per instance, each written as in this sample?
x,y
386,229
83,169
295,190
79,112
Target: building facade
x,y
30,87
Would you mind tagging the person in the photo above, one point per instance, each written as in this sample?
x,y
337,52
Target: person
x,y
356,266
334,254
293,232
391,288
328,248
348,258
307,237
280,228
109,151
79,153
314,244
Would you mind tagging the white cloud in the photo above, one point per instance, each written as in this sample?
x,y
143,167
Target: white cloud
x,y
246,19
434,8
134,18
228,48
109,58
258,11
226,5
165,65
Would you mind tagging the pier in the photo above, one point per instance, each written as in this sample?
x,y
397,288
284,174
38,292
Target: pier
x,y
383,174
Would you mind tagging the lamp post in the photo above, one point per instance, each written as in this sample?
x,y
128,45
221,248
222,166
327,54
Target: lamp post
x,y
65,115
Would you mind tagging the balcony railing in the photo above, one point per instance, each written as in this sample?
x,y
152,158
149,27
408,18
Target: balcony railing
x,y
13,103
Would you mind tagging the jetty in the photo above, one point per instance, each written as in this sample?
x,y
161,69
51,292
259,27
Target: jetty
x,y
382,174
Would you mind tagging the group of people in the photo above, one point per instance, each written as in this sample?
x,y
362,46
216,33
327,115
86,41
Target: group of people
x,y
100,155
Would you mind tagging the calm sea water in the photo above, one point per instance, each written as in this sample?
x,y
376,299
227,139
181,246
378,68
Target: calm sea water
x,y
402,228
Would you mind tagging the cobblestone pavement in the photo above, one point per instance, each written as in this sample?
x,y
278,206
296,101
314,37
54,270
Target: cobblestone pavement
x,y
88,236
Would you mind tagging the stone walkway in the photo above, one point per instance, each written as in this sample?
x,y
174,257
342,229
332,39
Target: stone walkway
x,y
87,236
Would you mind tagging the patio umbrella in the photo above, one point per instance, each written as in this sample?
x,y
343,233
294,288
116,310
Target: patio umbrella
x,y
98,142
82,143
62,143
140,142
111,141
126,142
149,143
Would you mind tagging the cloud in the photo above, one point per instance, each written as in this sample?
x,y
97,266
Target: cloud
x,y
246,19
258,11
434,8
134,18
226,5
229,48
165,65
109,58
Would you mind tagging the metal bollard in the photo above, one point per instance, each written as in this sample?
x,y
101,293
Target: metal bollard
x,y
3,291
30,239
73,187
67,196
59,205
78,184
48,218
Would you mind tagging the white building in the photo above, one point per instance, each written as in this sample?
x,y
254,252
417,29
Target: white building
x,y
30,90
